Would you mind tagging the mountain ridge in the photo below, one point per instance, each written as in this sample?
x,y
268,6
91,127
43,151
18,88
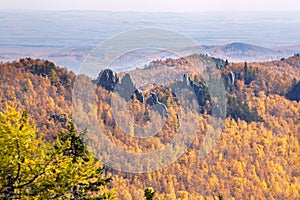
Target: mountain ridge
x,y
239,52
72,57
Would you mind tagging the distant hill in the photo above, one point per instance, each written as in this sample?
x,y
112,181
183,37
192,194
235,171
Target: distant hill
x,y
239,52
288,49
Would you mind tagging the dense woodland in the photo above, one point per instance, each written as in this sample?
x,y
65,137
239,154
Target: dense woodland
x,y
256,157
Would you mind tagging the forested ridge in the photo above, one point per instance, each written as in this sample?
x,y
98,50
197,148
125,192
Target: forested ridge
x,y
257,156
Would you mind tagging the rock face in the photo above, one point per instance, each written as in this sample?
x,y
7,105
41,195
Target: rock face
x,y
200,89
153,99
125,87
107,79
156,105
127,90
186,79
139,96
231,78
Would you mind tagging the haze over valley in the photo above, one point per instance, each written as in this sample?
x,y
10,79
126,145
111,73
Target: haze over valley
x,y
67,37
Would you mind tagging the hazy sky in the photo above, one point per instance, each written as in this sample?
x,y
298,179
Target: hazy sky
x,y
154,5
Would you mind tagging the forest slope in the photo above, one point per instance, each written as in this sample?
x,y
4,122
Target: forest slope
x,y
256,158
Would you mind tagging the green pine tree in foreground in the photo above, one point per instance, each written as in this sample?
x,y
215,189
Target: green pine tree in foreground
x,y
33,168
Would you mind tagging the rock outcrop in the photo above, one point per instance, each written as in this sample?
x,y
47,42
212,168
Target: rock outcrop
x,y
156,105
107,79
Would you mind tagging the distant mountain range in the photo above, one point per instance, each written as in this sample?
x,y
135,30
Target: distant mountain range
x,y
239,52
67,37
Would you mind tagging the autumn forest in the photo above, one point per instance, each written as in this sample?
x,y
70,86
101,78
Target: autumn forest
x,y
44,152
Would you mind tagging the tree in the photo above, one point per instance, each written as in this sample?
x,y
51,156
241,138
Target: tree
x,y
220,197
294,93
32,168
149,193
249,74
53,77
240,110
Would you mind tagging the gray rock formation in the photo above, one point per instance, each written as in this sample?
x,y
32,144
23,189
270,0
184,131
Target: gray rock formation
x,y
107,79
156,105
